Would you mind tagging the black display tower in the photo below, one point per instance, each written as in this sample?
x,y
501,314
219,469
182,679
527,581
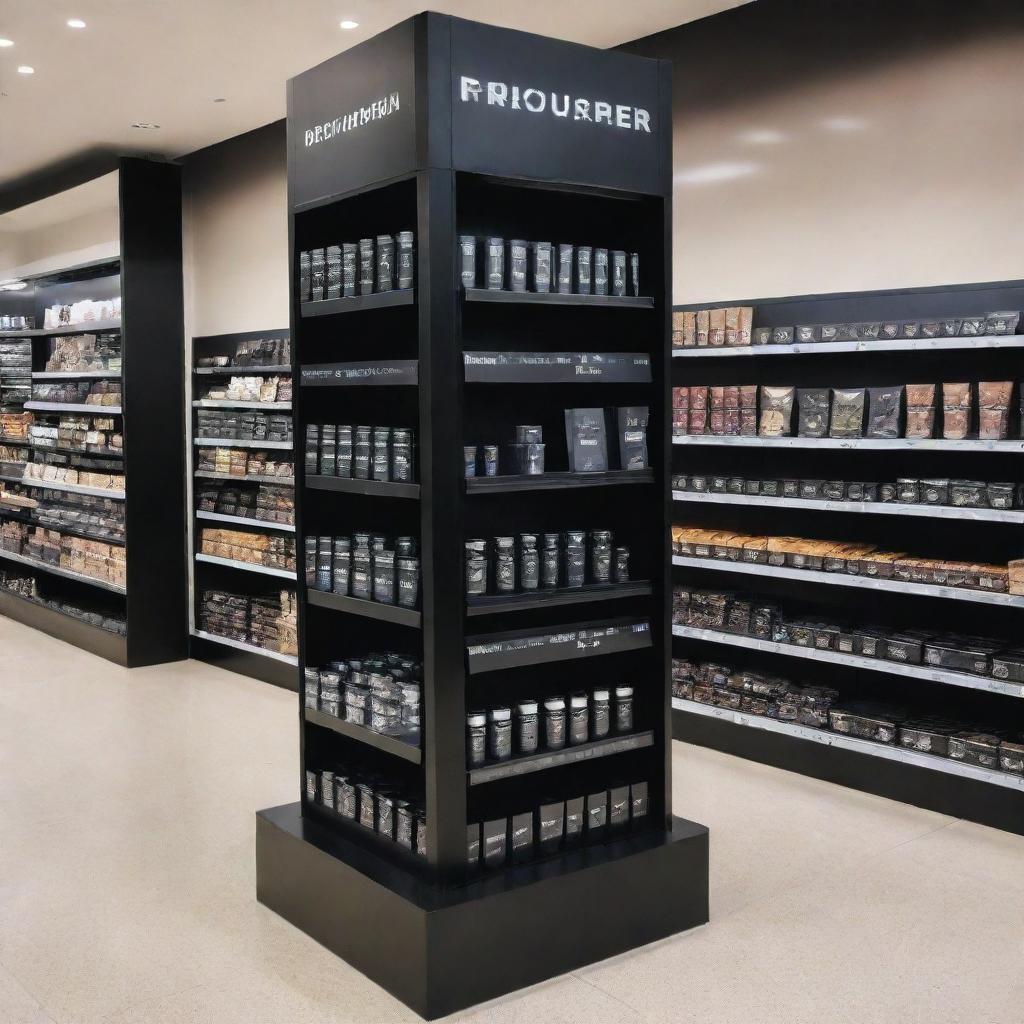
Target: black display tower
x,y
447,127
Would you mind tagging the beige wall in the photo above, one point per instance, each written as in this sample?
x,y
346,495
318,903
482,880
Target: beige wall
x,y
236,235
813,155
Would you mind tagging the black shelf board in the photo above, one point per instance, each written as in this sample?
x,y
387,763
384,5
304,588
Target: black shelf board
x,y
489,367
354,303
106,454
368,609
560,299
388,744
375,488
93,639
89,327
557,481
234,371
495,604
554,758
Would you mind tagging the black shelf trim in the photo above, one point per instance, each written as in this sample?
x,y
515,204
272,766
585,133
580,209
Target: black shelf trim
x,y
490,367
368,609
375,488
237,371
545,759
560,299
495,604
557,481
354,303
388,744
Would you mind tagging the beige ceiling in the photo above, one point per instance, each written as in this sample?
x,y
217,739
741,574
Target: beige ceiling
x,y
166,61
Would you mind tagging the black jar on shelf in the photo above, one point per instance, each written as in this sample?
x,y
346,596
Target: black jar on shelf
x,y
499,734
504,565
384,577
600,556
529,562
554,723
381,466
623,708
622,565
476,568
362,453
579,719
550,561
575,558
527,731
600,714
403,457
476,738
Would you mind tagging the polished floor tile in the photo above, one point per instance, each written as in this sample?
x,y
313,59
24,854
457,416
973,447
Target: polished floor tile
x,y
127,804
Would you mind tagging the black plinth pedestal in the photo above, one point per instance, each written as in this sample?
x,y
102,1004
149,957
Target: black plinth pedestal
x,y
442,949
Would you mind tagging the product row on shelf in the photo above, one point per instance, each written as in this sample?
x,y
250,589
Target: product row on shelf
x,y
731,326
361,452
986,410
379,264
82,313
365,566
253,389
249,354
271,552
564,268
261,503
982,745
242,463
847,557
92,559
936,491
266,620
98,613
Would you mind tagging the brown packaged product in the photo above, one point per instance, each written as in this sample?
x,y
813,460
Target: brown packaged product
x,y
777,411
994,399
920,421
698,397
732,326
681,399
732,397
748,396
956,411
698,421
716,328
703,327
995,393
677,330
689,329
920,395
717,422
746,325
847,412
717,398
748,422
732,422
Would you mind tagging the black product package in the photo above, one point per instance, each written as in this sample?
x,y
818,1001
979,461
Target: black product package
x,y
812,404
366,266
634,274
305,279
312,449
549,826
385,263
405,259
597,816
495,264
473,845
317,274
638,800
885,412
586,440
563,267
618,807
349,261
574,820
522,837
332,255
847,412
631,424
540,266
495,835
583,269
467,260
600,271
518,262
618,272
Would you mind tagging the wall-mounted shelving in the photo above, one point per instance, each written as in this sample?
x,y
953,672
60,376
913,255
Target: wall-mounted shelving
x,y
216,359
142,595
950,615
460,178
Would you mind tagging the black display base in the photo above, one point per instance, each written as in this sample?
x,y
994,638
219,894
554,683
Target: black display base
x,y
440,950
922,787
245,663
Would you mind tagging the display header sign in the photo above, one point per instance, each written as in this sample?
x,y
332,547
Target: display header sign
x,y
543,108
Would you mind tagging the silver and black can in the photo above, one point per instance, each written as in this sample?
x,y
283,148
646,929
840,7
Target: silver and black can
x,y
549,562
348,268
529,562
584,280
495,265
600,271
365,266
563,268
618,272
406,259
540,268
385,263
518,262
467,260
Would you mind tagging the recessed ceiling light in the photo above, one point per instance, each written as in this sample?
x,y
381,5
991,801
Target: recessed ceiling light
x,y
25,69
6,42
76,23
762,136
220,99
709,174
148,126
348,24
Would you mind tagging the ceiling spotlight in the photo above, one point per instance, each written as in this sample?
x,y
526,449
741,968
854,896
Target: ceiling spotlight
x,y
25,69
13,285
148,126
6,42
220,99
76,23
348,24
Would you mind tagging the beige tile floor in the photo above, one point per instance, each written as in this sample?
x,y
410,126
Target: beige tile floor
x,y
126,879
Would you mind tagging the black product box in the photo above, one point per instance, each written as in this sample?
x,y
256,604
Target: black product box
x,y
495,839
925,736
751,487
885,412
807,332
761,336
1009,666
1000,495
312,449
782,335
904,647
869,643
887,493
522,837
699,484
619,274
600,271
639,803
597,816
332,287
317,273
908,491
791,488
735,485
574,820
563,253
549,826
771,488
618,807
328,450
968,494
811,489
719,485
587,440
934,492
846,642
366,266
631,422
467,260
833,490
583,275
864,722
305,276
859,491
1011,755
960,654
812,417
977,748
349,261
540,266
518,264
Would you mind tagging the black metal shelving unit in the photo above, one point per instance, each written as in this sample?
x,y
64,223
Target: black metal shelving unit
x,y
210,572
984,535
152,599
426,158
